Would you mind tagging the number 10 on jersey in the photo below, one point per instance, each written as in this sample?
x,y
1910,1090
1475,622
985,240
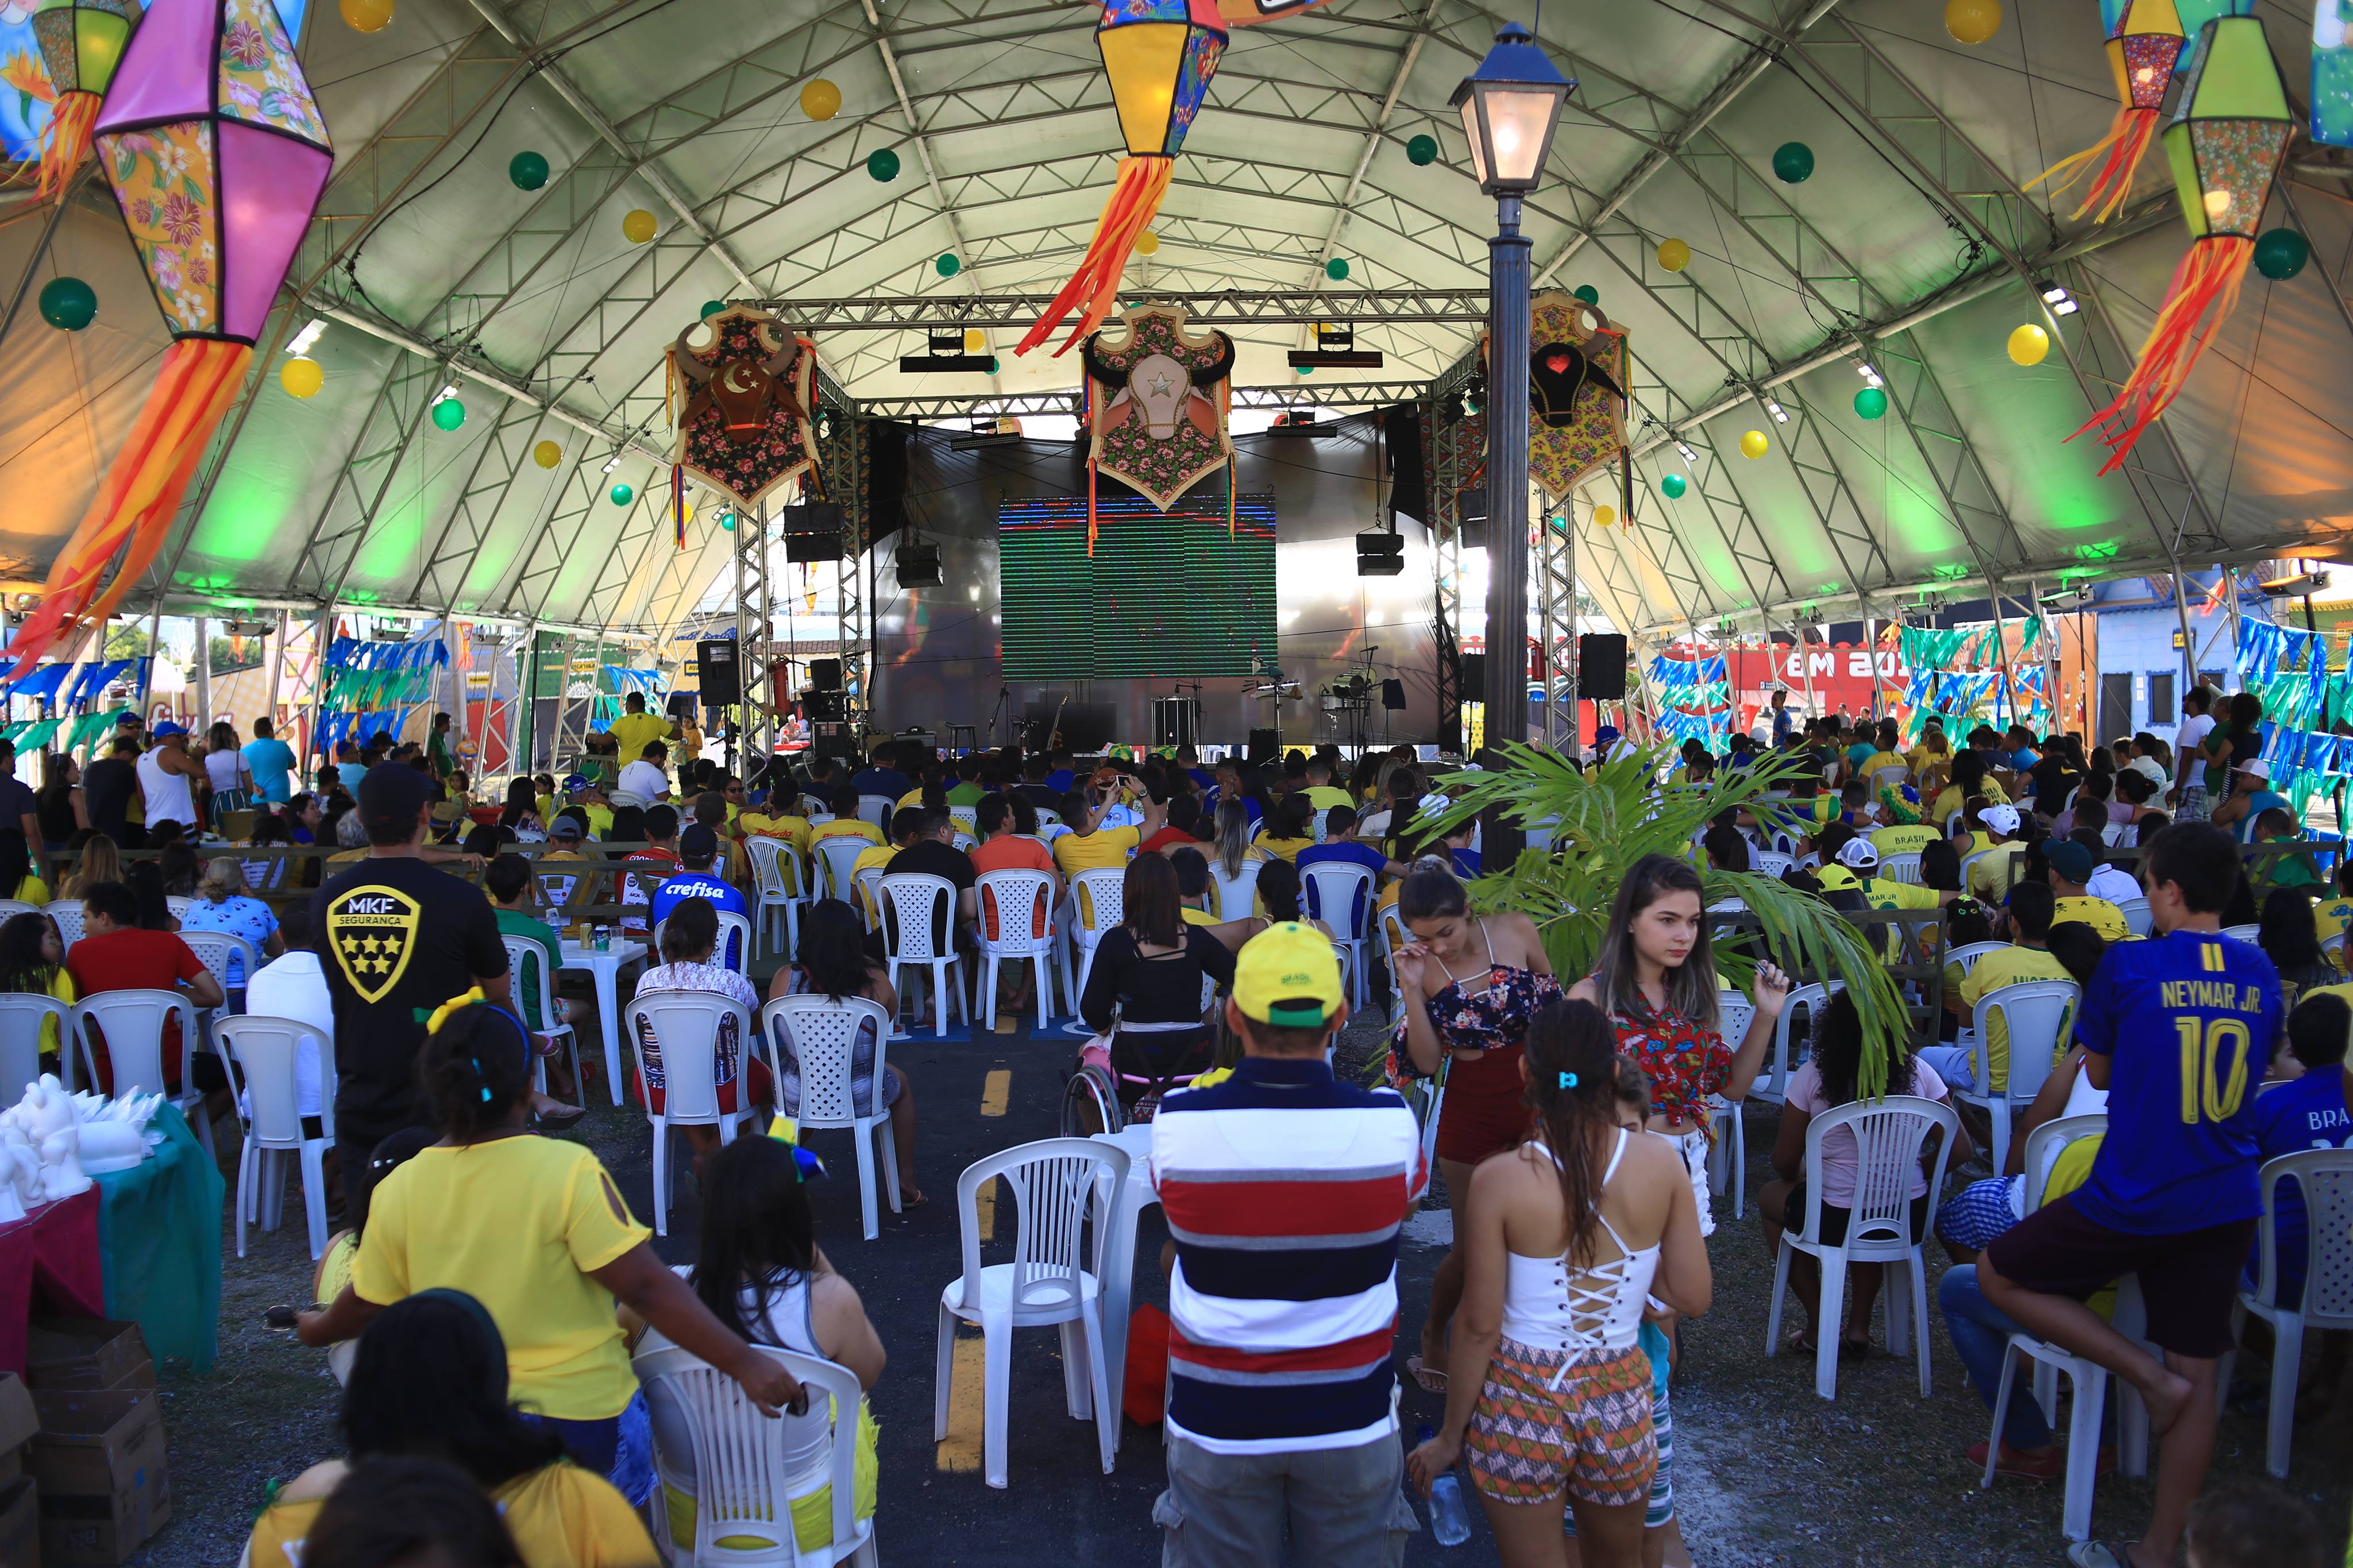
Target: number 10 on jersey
x,y
2205,1042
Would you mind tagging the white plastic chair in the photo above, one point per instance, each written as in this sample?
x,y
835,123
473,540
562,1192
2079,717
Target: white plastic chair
x,y
1772,1085
778,889
1727,1157
1969,953
1773,864
1018,899
1098,902
263,1050
2324,1179
869,902
1047,819
1901,869
9,907
877,809
214,949
179,905
518,950
21,1014
686,1025
2334,946
1236,896
2243,932
1340,894
1053,1182
821,1034
1888,1134
1893,776
743,1491
915,908
735,938
838,857
1394,936
131,1024
67,912
2034,1015
967,820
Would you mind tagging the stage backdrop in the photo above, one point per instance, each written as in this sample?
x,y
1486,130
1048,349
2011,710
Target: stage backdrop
x,y
941,653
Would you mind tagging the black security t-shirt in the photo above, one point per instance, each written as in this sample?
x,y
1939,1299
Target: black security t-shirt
x,y
106,786
396,935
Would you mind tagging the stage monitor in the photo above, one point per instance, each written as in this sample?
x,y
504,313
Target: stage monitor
x,y
1163,596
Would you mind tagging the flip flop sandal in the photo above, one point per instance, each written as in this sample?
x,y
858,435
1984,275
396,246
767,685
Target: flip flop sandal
x,y
2096,1554
1430,1379
562,1120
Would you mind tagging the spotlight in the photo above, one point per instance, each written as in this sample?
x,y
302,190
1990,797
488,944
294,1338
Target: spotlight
x,y
304,340
615,463
2297,586
1863,368
2054,294
1689,455
1780,415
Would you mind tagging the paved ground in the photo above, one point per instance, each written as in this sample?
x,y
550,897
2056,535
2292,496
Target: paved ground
x,y
1767,1472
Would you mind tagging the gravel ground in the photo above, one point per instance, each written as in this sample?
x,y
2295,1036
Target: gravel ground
x,y
1765,1472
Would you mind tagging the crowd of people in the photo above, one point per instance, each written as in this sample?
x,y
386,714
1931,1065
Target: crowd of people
x,y
503,1296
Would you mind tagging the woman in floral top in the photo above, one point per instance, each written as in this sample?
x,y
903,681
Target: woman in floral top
x,y
690,938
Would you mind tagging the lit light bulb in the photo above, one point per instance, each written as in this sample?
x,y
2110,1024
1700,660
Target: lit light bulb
x,y
2146,75
2217,203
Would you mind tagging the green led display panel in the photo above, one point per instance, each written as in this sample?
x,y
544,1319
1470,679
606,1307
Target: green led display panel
x,y
1165,595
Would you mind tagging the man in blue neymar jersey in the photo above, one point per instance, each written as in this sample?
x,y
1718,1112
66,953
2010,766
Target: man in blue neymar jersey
x,y
2178,1029
697,849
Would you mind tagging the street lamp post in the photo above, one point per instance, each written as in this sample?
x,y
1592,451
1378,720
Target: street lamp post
x,y
1510,107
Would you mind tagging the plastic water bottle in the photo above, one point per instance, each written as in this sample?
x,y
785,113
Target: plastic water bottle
x,y
1449,1521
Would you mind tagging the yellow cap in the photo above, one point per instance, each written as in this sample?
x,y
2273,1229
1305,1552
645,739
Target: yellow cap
x,y
1835,879
1288,976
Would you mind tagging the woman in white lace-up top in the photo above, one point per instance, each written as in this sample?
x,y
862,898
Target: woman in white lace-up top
x,y
1565,1237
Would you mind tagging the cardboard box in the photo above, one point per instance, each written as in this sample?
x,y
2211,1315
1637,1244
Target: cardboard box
x,y
70,1354
98,1464
18,1422
20,1524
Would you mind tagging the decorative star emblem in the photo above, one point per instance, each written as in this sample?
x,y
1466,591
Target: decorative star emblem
x,y
1159,386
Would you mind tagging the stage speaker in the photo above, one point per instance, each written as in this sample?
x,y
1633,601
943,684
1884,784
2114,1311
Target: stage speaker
x,y
680,705
826,705
886,488
814,517
1265,746
718,677
1475,677
1602,667
834,738
812,547
825,674
1393,696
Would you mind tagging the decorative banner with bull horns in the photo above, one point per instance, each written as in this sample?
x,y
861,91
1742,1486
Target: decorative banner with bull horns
x,y
742,402
1577,393
1157,404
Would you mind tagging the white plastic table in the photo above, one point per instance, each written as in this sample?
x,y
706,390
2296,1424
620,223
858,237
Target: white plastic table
x,y
605,967
1116,1267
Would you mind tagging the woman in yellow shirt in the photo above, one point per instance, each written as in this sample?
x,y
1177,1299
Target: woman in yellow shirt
x,y
430,1380
534,1229
1287,832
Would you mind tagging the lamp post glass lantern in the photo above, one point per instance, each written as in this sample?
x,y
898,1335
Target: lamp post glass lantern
x,y
1511,107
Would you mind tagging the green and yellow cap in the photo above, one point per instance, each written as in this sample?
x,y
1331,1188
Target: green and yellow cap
x,y
1288,976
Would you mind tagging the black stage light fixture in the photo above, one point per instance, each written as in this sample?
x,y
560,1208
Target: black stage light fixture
x,y
1299,422
1380,553
919,566
947,354
1336,346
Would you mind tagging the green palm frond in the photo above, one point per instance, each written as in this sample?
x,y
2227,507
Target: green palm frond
x,y
1604,820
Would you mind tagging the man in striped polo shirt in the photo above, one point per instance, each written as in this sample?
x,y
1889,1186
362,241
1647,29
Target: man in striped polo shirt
x,y
1284,1190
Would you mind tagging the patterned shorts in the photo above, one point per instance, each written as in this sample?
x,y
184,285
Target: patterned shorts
x,y
1661,1511
1973,1216
1591,1436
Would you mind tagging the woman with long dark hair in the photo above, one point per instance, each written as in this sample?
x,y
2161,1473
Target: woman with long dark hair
x,y
1567,1237
1143,994
180,868
761,1273
519,815
2285,932
1656,979
430,1380
1471,984
1290,829
59,805
833,962
18,880
33,962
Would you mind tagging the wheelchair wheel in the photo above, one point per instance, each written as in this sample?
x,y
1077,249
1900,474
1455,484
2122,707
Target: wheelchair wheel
x,y
1090,1104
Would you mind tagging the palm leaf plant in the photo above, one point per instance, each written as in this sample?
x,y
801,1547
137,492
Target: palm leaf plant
x,y
1605,819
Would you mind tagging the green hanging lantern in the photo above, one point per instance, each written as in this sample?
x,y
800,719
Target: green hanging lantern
x,y
1674,486
449,414
883,165
527,170
1336,269
622,495
1421,151
1793,162
2281,253
1870,402
68,304
947,266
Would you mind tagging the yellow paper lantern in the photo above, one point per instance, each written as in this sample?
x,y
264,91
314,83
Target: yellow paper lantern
x,y
1753,444
638,227
820,100
1603,515
1674,255
1972,22
976,341
2029,343
301,377
1146,243
367,15
547,454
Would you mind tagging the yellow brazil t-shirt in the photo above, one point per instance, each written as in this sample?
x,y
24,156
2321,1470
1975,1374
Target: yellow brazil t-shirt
x,y
1990,878
1994,971
1878,759
633,732
2098,913
1908,839
1104,848
2331,916
1274,848
794,829
1950,801
559,1517
517,1223
1194,916
1324,797
844,827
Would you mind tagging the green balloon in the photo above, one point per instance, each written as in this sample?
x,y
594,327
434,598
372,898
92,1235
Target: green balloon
x,y
449,414
68,303
1336,269
1674,486
528,171
727,520
2281,253
1305,369
1588,292
1870,402
883,165
947,267
1421,151
1793,162
712,307
622,495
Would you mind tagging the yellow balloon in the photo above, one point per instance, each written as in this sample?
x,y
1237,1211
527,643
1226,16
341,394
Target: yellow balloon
x,y
547,454
367,15
820,100
1603,515
1972,21
2029,343
1753,444
638,227
1673,255
1146,243
301,377
976,341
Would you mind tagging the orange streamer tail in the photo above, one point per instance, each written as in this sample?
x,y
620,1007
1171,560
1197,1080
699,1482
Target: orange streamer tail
x,y
2208,276
2125,144
1134,201
140,495
67,142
